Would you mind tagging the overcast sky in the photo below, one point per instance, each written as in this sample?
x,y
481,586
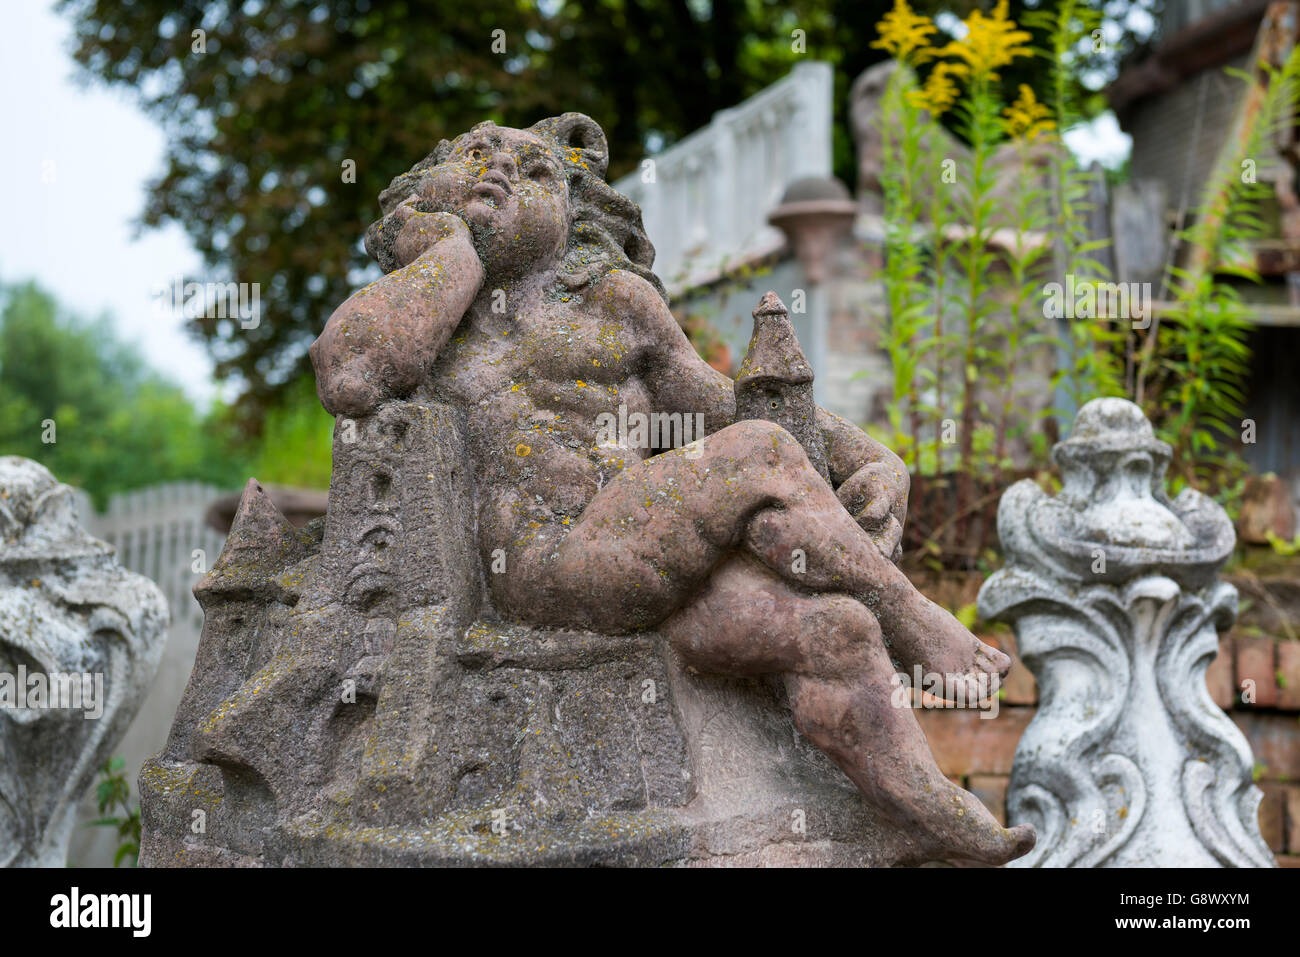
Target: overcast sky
x,y
74,234
73,172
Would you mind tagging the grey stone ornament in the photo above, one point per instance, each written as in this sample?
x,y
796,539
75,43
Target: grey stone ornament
x,y
1112,590
80,641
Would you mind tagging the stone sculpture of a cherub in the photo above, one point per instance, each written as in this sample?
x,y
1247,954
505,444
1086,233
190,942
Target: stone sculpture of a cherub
x,y
519,287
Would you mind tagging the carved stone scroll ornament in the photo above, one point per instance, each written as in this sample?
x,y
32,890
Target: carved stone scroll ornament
x,y
80,640
1112,590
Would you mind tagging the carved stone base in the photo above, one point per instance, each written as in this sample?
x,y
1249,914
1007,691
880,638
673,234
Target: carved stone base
x,y
84,630
352,705
1112,590
546,748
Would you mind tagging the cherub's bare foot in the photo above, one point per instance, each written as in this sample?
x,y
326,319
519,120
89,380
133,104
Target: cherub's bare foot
x,y
962,830
883,751
932,638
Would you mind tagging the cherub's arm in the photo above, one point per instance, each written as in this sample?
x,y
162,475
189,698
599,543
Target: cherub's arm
x,y
678,379
381,342
869,479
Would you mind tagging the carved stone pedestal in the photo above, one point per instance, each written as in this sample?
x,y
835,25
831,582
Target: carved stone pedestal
x,y
1113,593
80,640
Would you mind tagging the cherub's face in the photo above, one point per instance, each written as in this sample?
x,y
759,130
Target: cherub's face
x,y
510,187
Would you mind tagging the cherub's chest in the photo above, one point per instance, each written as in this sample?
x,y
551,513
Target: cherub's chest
x,y
548,345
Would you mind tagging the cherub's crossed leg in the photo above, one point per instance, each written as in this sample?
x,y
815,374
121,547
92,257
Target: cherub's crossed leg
x,y
765,572
651,537
839,680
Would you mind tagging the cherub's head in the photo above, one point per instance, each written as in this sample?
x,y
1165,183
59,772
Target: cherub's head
x,y
533,199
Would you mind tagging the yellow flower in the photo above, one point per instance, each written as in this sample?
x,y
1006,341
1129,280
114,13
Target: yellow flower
x,y
990,42
939,92
1027,117
903,32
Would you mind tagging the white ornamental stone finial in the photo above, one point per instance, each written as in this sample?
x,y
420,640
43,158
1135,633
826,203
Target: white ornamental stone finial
x,y
1113,593
80,640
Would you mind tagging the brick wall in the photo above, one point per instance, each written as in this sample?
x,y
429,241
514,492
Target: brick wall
x,y
977,753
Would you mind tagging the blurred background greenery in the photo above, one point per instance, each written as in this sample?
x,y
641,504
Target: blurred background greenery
x,y
130,426
261,121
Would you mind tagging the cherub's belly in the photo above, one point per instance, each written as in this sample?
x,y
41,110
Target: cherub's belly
x,y
533,486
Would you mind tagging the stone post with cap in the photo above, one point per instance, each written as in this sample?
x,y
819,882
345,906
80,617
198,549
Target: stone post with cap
x,y
1114,594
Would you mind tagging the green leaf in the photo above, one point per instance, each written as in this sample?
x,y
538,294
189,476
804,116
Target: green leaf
x,y
125,851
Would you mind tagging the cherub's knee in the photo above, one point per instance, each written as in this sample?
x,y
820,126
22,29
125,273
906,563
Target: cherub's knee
x,y
759,440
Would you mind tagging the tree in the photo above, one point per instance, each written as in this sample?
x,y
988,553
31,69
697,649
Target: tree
x,y
81,402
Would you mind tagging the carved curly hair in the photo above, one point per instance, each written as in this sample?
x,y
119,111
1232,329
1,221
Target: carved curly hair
x,y
606,232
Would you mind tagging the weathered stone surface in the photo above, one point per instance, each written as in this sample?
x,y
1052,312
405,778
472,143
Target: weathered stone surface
x,y
591,749
517,639
774,382
1112,591
71,618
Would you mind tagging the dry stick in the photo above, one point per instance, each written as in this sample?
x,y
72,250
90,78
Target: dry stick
x,y
1258,588
913,391
940,282
978,242
973,509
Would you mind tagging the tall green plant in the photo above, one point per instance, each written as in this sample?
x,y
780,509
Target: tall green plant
x,y
905,324
112,792
1090,349
963,263
1026,120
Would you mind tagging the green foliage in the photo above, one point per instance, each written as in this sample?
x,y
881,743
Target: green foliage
x,y
1281,546
261,123
967,615
965,312
112,792
296,446
1089,363
1195,359
116,425
907,330
962,312
967,256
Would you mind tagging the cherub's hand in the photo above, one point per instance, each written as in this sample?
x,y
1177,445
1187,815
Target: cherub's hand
x,y
381,343
418,233
876,496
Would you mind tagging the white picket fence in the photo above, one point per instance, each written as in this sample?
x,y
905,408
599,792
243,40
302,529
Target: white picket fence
x,y
157,532
705,200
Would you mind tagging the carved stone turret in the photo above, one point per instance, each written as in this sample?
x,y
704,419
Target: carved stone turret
x,y
775,380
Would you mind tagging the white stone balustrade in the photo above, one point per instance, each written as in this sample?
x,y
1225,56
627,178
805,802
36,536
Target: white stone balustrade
x,y
705,200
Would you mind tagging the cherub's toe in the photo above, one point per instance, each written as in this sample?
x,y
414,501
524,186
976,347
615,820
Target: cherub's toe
x,y
992,660
1024,837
